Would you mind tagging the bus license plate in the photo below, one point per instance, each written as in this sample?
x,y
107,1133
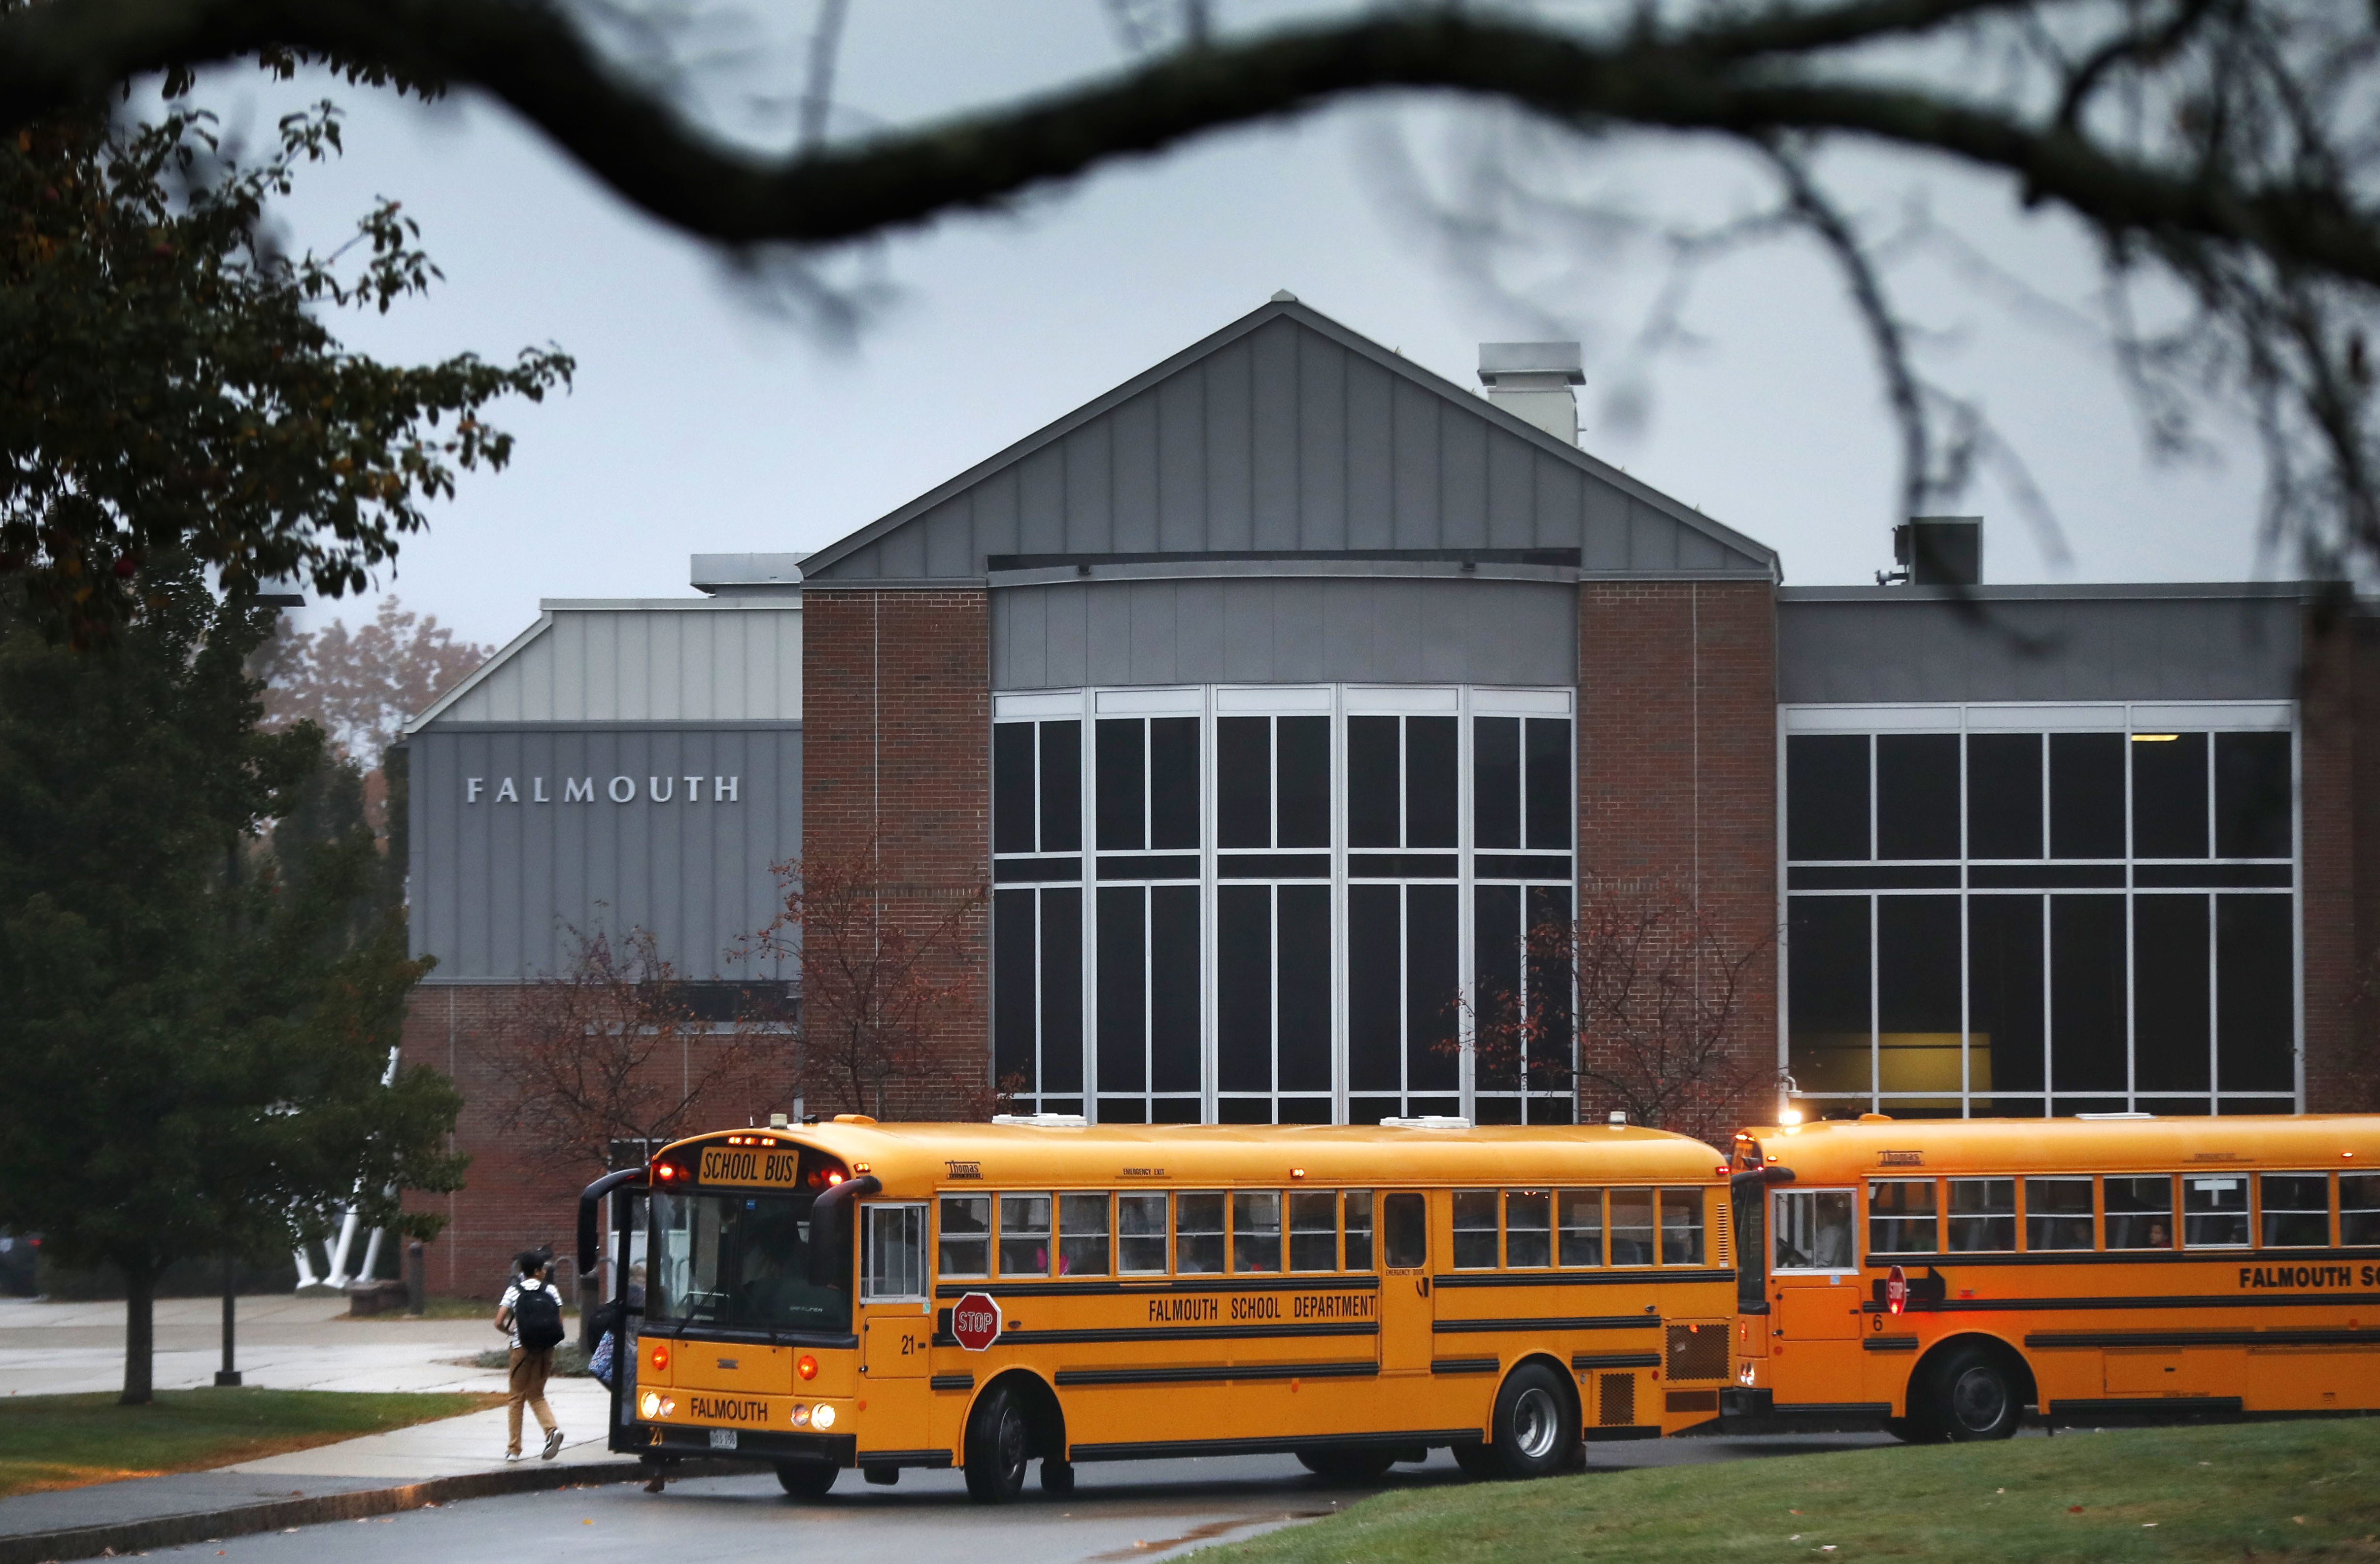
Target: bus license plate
x,y
722,1438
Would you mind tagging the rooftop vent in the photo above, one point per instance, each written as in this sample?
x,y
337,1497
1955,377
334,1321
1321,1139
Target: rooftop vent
x,y
746,575
1532,381
1936,551
1427,1121
1043,1120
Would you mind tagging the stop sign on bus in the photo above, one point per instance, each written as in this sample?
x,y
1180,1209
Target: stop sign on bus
x,y
975,1321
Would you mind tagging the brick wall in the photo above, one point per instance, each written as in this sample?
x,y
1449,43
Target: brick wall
x,y
1677,765
2339,815
897,715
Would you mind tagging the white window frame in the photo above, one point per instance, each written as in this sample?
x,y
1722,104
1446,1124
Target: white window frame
x,y
919,1242
1777,1199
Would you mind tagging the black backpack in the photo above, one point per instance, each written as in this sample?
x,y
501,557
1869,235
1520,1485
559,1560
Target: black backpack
x,y
538,1317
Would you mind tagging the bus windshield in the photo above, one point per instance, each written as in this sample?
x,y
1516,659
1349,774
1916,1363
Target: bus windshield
x,y
738,1262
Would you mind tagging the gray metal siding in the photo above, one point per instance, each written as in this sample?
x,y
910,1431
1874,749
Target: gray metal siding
x,y
2119,648
699,663
1285,439
496,886
1284,630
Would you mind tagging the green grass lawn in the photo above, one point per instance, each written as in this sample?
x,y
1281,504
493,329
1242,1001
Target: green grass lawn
x,y
2309,1490
69,1441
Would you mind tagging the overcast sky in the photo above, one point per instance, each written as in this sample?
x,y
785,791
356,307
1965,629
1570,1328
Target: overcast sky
x,y
708,415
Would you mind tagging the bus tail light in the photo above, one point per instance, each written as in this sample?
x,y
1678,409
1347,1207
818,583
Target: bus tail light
x,y
822,1418
806,1366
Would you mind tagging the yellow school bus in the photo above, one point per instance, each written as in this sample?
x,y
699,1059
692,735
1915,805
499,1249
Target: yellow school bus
x,y
1938,1278
903,1295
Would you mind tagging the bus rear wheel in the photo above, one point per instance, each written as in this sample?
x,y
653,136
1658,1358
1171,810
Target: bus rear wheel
x,y
999,1446
805,1479
1535,1431
1967,1395
1343,1465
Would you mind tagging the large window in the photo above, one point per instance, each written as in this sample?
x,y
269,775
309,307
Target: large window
x,y
2041,910
1284,904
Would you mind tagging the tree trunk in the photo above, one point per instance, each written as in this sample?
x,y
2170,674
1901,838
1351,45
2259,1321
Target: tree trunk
x,y
139,1334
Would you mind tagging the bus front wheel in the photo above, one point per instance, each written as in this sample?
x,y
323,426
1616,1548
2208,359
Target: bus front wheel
x,y
1968,1394
1536,1430
998,1445
805,1479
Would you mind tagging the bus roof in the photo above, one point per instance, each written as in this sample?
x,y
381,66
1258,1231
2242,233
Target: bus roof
x,y
1841,1148
905,1156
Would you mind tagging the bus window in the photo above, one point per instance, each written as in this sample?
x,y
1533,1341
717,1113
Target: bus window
x,y
1255,1229
1314,1231
1528,1228
1982,1215
2358,1209
892,1254
1900,1219
1198,1234
966,1235
1813,1229
1681,1226
2140,1212
1082,1235
1582,1227
1359,1229
1475,1230
1631,1227
1140,1234
2058,1214
1404,1235
2297,1210
2215,1212
1025,1235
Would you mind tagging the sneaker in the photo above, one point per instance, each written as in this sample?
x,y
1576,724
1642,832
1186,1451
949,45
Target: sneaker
x,y
511,1456
552,1443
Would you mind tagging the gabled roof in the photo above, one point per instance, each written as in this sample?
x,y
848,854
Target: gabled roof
x,y
1287,437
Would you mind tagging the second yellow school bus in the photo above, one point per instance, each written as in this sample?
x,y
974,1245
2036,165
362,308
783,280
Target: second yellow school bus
x,y
2118,1267
929,1295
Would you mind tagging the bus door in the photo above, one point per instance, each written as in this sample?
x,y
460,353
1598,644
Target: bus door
x,y
1813,1292
897,1323
1749,1198
1406,1307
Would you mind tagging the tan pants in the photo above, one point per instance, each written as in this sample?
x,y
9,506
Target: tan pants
x,y
528,1372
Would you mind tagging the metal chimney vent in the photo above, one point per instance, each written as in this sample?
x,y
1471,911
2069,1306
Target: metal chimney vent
x,y
1532,381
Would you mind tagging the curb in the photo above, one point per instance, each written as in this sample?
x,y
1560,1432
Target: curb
x,y
362,1504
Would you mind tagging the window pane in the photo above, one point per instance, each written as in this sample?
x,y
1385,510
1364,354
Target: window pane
x,y
1243,988
1812,1231
1082,1235
1496,978
1121,791
2140,1212
1359,1229
1061,787
1173,995
1375,935
1917,795
1631,1227
1826,972
1172,782
1917,994
1582,1227
2004,795
2058,1214
2251,796
2086,993
1374,782
1314,1231
1062,990
1982,1215
2171,968
1551,996
1496,782
1475,1230
892,1253
2004,1007
1255,1229
2359,1210
1550,803
1303,744
1826,796
1901,1217
2086,795
2214,1211
1429,782
1304,979
1015,968
1432,978
2170,796
2255,1004
1198,1234
1025,1235
1528,1228
1404,1231
966,1235
1681,1226
1243,782
1124,995
1012,787
1140,1234
2297,1210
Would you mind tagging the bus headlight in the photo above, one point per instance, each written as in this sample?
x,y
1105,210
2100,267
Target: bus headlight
x,y
801,1416
650,1406
822,1418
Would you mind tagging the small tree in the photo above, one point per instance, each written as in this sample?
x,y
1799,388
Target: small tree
x,y
614,1048
880,989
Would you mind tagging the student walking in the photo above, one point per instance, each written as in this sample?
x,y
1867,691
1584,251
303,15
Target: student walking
x,y
531,1314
